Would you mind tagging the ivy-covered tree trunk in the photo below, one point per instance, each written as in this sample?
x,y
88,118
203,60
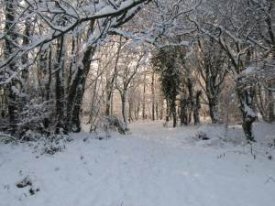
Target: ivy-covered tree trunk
x,y
269,20
190,100
165,64
77,87
9,48
59,86
197,106
271,115
49,76
213,104
183,111
76,91
153,95
167,115
246,94
173,111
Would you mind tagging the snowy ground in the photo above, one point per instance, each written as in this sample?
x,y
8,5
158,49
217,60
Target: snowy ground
x,y
154,166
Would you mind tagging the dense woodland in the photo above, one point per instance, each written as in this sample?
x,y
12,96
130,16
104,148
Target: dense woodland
x,y
64,63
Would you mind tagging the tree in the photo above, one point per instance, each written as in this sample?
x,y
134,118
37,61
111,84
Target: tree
x,y
213,67
10,40
165,64
264,38
131,62
232,35
111,79
41,52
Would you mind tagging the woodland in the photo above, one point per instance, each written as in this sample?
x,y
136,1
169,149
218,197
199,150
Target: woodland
x,y
137,102
107,63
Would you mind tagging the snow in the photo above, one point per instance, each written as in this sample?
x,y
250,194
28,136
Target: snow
x,y
249,111
151,166
110,9
250,70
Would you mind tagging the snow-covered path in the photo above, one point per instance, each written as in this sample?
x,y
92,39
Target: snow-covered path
x,y
154,166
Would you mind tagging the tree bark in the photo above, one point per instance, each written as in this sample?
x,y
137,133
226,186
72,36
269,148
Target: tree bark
x,y
246,94
190,100
213,109
10,39
271,115
144,98
183,111
77,87
197,107
76,92
153,95
123,108
110,83
174,113
59,86
130,111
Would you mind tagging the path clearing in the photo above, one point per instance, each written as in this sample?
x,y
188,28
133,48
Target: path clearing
x,y
154,166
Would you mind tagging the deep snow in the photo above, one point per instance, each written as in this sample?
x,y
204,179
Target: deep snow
x,y
152,166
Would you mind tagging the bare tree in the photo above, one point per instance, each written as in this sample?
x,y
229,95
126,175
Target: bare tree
x,y
126,75
213,68
41,51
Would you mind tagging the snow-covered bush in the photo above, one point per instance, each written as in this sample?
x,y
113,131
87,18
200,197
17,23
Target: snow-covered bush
x,y
202,136
34,117
219,135
54,144
107,124
5,138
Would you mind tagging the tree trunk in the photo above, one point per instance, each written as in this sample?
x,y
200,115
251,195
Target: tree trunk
x,y
190,99
13,111
271,115
161,109
77,87
108,102
197,107
213,109
246,95
76,92
144,98
59,86
131,105
110,83
153,96
49,82
123,107
183,111
157,110
10,41
137,110
167,117
174,113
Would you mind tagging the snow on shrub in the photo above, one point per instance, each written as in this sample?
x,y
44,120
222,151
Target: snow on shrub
x,y
219,134
54,144
107,124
